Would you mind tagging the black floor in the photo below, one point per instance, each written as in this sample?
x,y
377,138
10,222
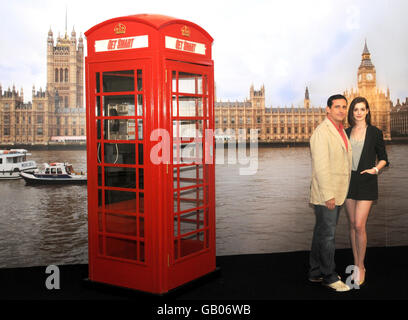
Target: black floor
x,y
242,278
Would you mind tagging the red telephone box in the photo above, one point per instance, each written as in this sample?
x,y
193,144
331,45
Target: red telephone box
x,y
150,157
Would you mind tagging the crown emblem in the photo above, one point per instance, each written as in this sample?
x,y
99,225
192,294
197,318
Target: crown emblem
x,y
185,31
120,28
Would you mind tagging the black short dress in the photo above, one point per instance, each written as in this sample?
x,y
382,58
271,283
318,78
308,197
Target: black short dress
x,y
365,186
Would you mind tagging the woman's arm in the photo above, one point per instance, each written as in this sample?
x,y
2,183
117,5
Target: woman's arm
x,y
381,155
381,164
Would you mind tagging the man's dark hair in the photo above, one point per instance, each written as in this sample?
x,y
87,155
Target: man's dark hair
x,y
335,97
353,103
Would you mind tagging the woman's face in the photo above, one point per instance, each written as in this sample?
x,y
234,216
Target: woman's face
x,y
360,111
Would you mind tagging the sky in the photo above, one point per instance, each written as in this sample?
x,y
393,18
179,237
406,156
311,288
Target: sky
x,y
283,45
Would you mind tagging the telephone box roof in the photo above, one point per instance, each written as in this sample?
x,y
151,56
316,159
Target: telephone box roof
x,y
156,21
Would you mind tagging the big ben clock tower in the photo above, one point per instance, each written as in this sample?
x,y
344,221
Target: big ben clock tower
x,y
378,100
366,71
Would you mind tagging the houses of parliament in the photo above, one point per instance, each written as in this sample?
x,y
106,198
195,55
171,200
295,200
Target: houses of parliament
x,y
56,113
234,120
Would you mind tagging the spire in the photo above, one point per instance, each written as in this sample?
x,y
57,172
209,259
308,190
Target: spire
x,y
366,57
66,20
365,51
306,102
50,39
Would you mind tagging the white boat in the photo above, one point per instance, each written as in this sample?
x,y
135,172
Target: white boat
x,y
13,162
55,173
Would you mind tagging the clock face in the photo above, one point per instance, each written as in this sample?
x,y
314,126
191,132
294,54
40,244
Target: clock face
x,y
369,76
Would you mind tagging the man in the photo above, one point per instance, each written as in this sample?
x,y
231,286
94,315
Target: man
x,y
331,169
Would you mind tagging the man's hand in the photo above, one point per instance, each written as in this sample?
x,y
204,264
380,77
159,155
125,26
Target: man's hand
x,y
331,204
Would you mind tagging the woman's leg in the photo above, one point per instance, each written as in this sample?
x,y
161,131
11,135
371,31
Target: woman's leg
x,y
350,205
361,215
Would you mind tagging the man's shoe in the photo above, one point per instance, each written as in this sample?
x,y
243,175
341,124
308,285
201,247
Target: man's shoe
x,y
316,279
338,286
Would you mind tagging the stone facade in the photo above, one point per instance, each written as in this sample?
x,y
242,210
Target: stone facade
x,y
236,119
399,119
379,101
296,124
56,111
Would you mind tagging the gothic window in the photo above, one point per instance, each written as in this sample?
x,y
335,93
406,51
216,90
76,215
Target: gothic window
x,y
61,75
40,131
66,102
56,75
66,75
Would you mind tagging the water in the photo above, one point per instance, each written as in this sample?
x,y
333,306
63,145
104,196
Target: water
x,y
261,213
42,225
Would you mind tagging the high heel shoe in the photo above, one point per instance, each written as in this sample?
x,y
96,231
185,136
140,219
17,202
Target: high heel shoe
x,y
363,282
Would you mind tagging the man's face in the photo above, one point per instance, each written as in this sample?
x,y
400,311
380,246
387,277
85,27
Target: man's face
x,y
338,110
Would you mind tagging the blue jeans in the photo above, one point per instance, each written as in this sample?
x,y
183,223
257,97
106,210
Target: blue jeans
x,y
323,244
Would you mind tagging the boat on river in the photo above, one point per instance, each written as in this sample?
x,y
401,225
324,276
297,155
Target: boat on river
x,y
13,162
55,173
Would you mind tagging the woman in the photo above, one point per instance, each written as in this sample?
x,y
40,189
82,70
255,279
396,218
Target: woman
x,y
368,146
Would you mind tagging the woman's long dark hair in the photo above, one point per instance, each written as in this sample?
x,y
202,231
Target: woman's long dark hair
x,y
353,103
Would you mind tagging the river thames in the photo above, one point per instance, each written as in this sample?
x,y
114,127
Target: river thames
x,y
260,213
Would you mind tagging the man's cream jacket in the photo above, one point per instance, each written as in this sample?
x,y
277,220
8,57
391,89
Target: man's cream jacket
x,y
331,165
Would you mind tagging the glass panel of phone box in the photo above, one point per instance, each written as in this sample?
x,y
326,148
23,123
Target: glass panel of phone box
x,y
119,112
190,118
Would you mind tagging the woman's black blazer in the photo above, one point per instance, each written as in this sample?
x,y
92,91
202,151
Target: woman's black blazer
x,y
373,149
